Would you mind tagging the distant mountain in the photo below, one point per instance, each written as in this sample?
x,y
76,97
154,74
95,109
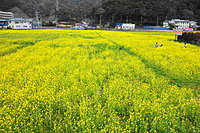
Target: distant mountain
x,y
45,7
143,12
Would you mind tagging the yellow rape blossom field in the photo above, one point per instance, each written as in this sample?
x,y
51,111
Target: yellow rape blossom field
x,y
98,81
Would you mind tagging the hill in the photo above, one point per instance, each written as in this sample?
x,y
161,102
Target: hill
x,y
144,12
46,7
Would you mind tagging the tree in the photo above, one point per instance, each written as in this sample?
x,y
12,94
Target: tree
x,y
112,11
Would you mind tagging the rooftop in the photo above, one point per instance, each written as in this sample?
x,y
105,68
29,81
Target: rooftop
x,y
182,20
6,12
20,19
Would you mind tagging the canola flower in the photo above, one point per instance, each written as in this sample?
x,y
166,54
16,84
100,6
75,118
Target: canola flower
x,y
97,81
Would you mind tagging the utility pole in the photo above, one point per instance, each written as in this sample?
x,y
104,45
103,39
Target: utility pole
x,y
37,18
112,18
41,19
100,21
126,19
141,20
157,21
57,10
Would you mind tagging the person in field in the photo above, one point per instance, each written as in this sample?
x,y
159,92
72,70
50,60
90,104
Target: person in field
x,y
185,45
161,45
156,45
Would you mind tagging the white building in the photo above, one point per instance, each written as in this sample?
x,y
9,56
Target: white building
x,y
125,26
6,15
193,24
182,24
166,24
19,23
178,24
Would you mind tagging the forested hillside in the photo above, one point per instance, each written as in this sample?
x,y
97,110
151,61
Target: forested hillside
x,y
149,12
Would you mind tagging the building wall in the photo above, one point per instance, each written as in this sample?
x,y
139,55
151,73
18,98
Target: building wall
x,y
126,27
183,25
6,15
165,24
20,24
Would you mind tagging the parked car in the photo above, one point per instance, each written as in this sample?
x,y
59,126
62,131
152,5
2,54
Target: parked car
x,y
98,27
78,27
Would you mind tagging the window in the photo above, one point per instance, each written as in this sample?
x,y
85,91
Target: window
x,y
16,22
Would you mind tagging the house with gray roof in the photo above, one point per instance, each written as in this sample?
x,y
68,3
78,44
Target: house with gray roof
x,y
19,23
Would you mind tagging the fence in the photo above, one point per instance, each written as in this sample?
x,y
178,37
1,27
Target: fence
x,y
189,37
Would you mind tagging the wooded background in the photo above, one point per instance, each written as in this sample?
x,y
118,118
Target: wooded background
x,y
144,12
